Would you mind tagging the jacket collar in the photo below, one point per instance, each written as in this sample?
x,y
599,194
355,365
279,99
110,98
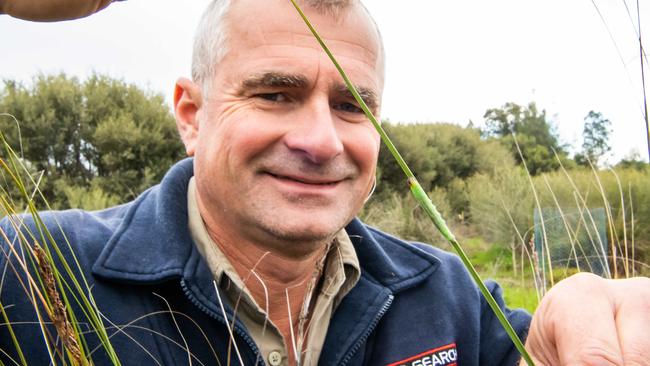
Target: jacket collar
x,y
153,243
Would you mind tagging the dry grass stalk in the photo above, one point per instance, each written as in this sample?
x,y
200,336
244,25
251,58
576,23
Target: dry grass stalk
x,y
58,312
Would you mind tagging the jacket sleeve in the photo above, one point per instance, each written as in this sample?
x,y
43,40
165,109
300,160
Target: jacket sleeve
x,y
496,346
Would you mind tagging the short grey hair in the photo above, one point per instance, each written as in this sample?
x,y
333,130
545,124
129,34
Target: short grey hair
x,y
210,39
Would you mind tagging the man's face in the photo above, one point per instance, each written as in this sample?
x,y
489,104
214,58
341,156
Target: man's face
x,y
283,152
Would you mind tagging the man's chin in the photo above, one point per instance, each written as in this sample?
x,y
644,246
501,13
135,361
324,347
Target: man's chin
x,y
303,233
302,225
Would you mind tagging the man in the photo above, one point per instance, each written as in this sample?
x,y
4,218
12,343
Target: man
x,y
250,253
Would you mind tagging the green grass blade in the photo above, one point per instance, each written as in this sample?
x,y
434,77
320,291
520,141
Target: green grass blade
x,y
75,289
420,196
14,340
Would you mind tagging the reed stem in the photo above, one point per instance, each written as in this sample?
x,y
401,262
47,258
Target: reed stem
x,y
421,197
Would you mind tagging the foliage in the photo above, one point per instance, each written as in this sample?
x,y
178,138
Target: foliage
x,y
528,127
625,194
595,136
53,285
101,135
91,198
501,205
441,155
480,188
399,215
633,161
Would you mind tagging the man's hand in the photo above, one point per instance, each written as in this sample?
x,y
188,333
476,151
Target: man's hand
x,y
587,320
51,10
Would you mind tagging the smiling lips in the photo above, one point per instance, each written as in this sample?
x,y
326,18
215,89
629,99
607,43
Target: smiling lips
x,y
307,181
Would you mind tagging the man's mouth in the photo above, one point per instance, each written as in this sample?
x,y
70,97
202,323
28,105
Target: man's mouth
x,y
313,181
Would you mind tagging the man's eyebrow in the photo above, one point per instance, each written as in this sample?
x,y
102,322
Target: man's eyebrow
x,y
368,95
275,80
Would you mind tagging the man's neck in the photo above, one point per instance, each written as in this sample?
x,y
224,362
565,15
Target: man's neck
x,y
278,284
275,270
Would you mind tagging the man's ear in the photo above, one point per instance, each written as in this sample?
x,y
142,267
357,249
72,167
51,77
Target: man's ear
x,y
187,103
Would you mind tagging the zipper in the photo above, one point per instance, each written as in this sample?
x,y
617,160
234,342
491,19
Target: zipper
x,y
236,328
366,334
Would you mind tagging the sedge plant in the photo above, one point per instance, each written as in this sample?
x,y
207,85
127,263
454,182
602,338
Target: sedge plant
x,y
420,195
52,284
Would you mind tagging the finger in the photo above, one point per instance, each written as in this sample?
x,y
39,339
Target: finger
x,y
633,319
576,319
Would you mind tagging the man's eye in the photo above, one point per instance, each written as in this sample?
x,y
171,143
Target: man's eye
x,y
273,97
348,107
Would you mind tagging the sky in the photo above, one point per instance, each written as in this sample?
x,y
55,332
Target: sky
x,y
447,61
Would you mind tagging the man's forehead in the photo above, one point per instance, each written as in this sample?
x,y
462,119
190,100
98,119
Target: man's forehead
x,y
267,38
349,21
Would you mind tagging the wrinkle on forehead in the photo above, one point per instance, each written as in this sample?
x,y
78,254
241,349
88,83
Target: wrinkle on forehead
x,y
362,32
287,42
339,44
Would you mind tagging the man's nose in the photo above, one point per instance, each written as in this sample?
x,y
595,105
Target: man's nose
x,y
314,134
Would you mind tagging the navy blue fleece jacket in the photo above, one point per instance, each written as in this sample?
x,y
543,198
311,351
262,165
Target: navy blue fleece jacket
x,y
414,304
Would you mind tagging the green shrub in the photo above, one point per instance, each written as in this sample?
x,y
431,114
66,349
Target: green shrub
x,y
501,205
399,214
438,154
98,131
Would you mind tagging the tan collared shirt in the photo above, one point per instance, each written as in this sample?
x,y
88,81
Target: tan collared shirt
x,y
340,274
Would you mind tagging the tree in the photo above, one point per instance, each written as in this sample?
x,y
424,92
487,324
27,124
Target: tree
x,y
526,126
441,155
101,135
595,135
633,161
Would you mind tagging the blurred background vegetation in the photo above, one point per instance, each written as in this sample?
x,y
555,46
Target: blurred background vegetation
x,y
100,142
97,143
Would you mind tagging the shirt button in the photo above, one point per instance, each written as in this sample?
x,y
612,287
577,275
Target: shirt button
x,y
275,358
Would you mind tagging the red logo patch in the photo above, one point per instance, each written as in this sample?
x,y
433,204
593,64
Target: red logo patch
x,y
441,356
